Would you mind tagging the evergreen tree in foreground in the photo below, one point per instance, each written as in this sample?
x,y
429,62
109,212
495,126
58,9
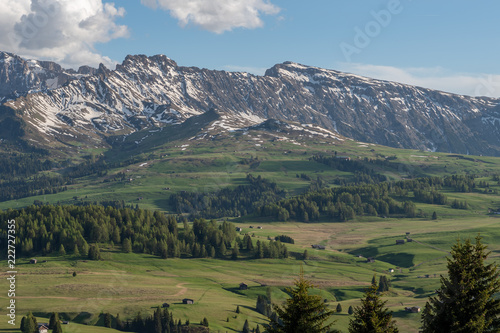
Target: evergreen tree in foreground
x,y
302,313
57,327
372,316
465,302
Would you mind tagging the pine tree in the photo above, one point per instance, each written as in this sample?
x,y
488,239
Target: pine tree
x,y
350,311
205,322
23,325
53,319
119,323
57,327
257,330
302,312
339,308
383,284
127,245
94,252
246,327
372,316
62,251
434,216
235,253
237,309
465,301
305,255
76,252
107,320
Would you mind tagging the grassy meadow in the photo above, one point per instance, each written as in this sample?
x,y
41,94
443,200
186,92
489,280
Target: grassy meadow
x,y
128,283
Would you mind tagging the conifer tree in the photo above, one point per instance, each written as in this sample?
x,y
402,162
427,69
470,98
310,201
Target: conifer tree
x,y
53,319
107,320
246,327
57,327
302,312
372,316
383,284
350,311
465,301
339,308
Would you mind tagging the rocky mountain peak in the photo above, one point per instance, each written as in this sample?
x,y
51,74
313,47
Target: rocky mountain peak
x,y
149,92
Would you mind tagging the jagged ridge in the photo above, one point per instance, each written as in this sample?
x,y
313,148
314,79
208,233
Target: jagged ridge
x,y
146,92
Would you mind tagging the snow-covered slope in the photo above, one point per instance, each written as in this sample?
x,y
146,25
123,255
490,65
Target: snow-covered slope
x,y
146,92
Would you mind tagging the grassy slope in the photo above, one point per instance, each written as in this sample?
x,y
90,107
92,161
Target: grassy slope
x,y
128,283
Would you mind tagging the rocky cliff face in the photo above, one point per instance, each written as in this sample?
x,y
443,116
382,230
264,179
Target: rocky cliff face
x,y
146,92
19,77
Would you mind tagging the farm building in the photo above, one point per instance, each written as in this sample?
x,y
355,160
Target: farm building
x,y
187,301
43,329
243,286
370,260
391,270
33,261
413,309
238,229
400,241
259,227
318,247
165,305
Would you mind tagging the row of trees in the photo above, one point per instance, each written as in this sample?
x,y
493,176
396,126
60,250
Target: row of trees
x,y
78,230
228,202
466,302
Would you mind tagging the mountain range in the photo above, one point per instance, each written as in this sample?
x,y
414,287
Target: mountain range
x,y
53,107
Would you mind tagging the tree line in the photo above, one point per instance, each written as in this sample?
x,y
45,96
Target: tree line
x,y
344,203
227,202
79,230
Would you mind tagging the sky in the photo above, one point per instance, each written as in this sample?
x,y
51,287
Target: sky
x,y
446,45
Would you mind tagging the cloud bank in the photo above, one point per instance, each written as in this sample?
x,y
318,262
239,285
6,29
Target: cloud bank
x,y
217,15
433,78
61,30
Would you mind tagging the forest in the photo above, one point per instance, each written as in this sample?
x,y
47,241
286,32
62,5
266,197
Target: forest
x,y
81,230
227,202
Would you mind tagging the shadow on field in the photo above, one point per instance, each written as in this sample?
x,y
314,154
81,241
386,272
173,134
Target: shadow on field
x,y
235,290
398,259
369,251
404,314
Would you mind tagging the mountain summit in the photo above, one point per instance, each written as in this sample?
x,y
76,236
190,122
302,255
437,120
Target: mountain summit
x,y
58,105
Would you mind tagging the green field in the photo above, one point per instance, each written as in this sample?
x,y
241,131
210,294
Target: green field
x,y
131,283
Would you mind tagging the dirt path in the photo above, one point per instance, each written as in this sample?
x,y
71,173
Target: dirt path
x,y
180,292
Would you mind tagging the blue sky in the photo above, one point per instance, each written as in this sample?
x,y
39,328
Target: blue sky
x,y
451,46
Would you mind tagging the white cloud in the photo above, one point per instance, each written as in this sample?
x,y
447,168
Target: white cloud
x,y
217,15
64,31
247,69
433,78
